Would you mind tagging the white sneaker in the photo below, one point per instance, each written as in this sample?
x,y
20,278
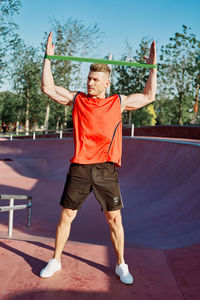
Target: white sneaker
x,y
52,267
123,272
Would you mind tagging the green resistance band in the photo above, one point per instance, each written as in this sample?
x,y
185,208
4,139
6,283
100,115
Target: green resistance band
x,y
102,61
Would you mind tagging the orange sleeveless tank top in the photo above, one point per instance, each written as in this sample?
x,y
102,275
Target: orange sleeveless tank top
x,y
97,130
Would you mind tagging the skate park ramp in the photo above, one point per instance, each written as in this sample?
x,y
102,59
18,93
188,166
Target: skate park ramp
x,y
159,181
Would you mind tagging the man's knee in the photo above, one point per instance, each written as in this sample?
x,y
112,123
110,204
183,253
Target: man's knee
x,y
67,215
114,218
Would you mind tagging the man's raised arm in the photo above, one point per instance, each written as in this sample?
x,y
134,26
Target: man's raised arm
x,y
136,101
57,93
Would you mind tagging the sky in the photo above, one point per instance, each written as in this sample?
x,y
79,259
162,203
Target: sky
x,y
120,20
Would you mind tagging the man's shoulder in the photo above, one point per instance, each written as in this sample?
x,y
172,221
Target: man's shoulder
x,y
80,94
115,97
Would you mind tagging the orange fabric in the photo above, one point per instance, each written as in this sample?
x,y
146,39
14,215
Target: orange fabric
x,y
97,130
196,108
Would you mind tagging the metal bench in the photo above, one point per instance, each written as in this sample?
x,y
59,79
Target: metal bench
x,y
13,207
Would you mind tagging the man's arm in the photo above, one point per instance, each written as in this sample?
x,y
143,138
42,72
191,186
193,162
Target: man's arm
x,y
57,93
136,101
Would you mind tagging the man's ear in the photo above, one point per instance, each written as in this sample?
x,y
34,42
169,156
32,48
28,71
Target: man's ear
x,y
107,83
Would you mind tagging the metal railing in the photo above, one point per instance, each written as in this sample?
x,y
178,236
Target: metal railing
x,y
32,134
13,207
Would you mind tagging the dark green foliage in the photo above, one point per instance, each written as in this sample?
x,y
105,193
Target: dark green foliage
x,y
167,111
8,34
179,71
129,80
27,77
11,107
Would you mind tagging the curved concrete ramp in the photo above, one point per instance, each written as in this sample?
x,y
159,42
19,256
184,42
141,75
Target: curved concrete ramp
x,y
160,189
159,184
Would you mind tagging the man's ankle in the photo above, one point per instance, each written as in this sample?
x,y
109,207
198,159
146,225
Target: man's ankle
x,y
57,258
120,261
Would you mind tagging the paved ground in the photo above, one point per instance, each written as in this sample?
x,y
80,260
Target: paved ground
x,y
160,189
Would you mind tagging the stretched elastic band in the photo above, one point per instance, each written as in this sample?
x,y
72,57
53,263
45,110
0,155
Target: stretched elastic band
x,y
102,61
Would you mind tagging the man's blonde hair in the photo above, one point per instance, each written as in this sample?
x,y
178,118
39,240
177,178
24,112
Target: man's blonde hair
x,y
100,68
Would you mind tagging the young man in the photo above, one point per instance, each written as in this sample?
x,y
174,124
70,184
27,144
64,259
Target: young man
x,y
98,142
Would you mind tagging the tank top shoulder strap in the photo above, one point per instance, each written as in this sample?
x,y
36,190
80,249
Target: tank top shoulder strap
x,y
120,99
75,98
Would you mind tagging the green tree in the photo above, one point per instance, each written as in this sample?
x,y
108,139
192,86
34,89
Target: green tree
x,y
178,71
128,80
10,108
167,110
27,77
8,35
196,84
71,38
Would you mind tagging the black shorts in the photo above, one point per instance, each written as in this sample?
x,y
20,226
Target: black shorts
x,y
101,178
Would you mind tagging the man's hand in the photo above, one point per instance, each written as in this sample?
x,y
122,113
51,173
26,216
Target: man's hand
x,y
50,47
151,60
136,101
57,93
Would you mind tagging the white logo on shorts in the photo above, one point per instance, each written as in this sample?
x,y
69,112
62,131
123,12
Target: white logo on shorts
x,y
116,200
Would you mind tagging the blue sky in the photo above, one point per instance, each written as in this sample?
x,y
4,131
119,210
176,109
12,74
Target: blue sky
x,y
120,20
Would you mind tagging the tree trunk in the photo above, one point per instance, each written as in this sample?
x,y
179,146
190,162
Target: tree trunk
x,y
65,119
17,124
130,117
180,121
46,122
27,111
17,127
57,124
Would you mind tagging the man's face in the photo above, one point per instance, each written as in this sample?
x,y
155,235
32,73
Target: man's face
x,y
97,84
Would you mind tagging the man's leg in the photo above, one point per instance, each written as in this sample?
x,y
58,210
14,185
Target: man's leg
x,y
62,234
114,220
63,231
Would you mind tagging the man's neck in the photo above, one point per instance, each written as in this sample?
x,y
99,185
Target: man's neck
x,y
97,96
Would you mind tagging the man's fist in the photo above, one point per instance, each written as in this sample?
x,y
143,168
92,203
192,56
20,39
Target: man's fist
x,y
151,60
50,47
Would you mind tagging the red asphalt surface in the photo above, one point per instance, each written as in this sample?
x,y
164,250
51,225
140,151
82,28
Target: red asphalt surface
x,y
160,187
